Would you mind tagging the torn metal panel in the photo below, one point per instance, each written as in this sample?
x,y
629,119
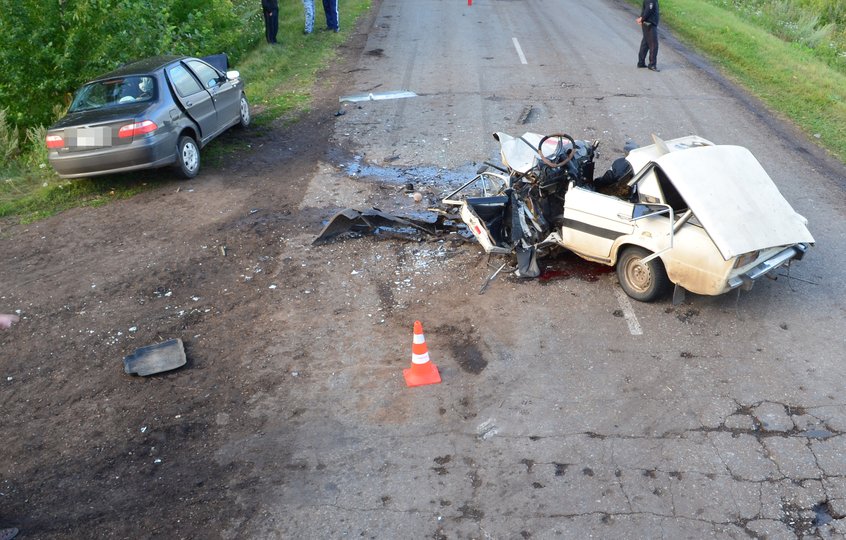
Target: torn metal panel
x,y
377,96
375,221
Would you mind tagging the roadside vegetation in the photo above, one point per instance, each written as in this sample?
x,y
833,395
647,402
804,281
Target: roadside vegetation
x,y
48,53
790,53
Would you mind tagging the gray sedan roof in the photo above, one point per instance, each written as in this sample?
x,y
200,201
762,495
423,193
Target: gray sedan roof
x,y
147,65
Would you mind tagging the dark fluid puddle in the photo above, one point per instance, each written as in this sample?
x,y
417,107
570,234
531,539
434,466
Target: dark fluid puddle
x,y
470,359
822,514
428,176
567,265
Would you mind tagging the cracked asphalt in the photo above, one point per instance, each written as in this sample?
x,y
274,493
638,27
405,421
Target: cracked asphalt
x,y
566,410
721,417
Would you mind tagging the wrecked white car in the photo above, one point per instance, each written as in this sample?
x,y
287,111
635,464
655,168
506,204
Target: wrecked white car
x,y
704,217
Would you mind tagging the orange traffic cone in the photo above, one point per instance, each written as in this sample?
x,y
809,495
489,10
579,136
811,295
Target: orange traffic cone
x,y
422,371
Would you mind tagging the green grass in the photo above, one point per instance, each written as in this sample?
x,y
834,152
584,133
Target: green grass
x,y
787,76
34,201
279,81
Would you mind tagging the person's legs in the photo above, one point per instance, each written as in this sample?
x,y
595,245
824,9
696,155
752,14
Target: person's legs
x,y
308,6
274,27
644,47
330,7
653,46
266,26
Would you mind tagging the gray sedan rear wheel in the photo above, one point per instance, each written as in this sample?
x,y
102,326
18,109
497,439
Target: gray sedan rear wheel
x,y
187,157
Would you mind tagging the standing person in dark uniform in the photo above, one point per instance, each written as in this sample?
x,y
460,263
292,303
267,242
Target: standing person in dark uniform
x,y
270,9
330,7
648,21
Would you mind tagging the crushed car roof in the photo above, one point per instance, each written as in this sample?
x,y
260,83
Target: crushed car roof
x,y
734,199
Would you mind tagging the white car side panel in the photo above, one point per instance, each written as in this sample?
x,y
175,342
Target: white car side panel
x,y
592,222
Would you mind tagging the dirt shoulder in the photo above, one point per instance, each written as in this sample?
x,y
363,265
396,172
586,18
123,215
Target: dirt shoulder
x,y
92,452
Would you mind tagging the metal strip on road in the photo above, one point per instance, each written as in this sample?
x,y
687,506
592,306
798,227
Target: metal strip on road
x,y
519,51
628,312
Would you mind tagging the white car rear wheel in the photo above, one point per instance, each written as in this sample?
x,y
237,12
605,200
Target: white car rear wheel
x,y
642,281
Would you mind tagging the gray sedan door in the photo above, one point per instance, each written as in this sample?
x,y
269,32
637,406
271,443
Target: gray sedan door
x,y
225,95
197,101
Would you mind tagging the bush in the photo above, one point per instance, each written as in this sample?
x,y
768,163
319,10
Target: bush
x,y
36,156
8,140
48,52
51,49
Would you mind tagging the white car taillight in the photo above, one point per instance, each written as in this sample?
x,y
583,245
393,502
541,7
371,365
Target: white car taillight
x,y
55,141
138,128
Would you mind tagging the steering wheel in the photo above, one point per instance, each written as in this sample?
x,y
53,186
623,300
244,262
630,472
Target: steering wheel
x,y
560,136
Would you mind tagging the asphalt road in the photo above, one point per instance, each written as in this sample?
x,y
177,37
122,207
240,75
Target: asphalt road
x,y
587,414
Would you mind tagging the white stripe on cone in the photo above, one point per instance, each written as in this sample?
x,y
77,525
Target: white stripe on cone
x,y
420,358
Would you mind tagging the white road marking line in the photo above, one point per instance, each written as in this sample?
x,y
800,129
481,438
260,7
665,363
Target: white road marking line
x,y
628,312
519,51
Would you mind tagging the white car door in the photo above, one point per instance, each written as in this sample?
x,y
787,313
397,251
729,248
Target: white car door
x,y
593,222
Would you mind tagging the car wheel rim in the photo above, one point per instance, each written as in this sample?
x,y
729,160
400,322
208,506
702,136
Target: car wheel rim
x,y
190,156
638,275
245,111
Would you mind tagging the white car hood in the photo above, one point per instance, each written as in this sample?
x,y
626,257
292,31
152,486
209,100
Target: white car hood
x,y
734,199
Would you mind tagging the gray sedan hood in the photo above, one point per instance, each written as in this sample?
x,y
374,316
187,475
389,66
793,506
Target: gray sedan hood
x,y
734,199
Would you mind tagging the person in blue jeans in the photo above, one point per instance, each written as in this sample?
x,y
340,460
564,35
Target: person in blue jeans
x,y
330,8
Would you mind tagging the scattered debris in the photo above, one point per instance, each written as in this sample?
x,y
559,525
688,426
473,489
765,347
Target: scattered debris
x,y
487,429
377,96
375,221
492,277
545,198
152,359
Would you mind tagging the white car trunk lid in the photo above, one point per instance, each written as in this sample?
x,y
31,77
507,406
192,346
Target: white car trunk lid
x,y
734,199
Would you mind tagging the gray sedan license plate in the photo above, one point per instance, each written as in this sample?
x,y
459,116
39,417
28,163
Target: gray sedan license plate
x,y
97,136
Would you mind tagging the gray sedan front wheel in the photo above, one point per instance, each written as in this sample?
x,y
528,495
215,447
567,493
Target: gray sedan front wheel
x,y
187,157
245,112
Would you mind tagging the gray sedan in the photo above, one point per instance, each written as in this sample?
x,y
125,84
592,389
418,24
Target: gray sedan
x,y
152,113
